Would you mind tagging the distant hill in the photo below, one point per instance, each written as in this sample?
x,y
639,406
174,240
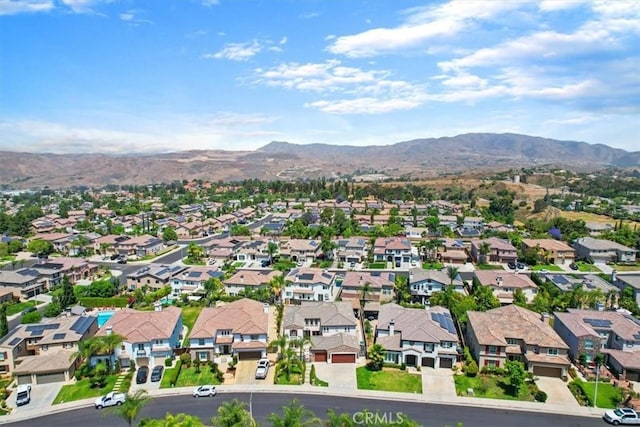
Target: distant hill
x,y
283,160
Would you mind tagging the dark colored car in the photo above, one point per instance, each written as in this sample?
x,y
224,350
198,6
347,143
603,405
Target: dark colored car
x,y
115,256
573,266
141,376
522,265
512,265
156,373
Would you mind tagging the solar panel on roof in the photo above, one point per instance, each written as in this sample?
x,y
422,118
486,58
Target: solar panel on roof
x,y
83,323
560,279
306,276
195,274
59,336
15,341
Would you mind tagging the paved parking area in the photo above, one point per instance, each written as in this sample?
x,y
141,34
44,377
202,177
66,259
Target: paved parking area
x,y
341,376
42,396
438,382
246,373
557,391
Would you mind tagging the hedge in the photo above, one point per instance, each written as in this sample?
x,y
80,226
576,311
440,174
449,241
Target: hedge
x,y
176,373
93,302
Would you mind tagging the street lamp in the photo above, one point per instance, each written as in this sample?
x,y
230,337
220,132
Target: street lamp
x,y
251,405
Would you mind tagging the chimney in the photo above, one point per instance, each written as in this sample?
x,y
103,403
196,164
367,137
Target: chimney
x,y
157,306
265,308
109,330
392,327
614,276
499,280
599,306
544,316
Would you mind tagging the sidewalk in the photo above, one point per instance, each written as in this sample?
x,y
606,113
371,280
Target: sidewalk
x,y
431,398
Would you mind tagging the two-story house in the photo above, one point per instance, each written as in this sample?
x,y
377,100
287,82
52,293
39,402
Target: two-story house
x,y
309,284
191,281
379,287
396,250
331,327
26,280
423,283
140,246
351,250
614,334
239,328
301,250
603,251
45,352
249,280
550,251
515,333
504,283
418,337
153,276
500,250
149,336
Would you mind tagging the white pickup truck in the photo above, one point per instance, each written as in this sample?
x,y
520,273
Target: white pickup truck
x,y
110,399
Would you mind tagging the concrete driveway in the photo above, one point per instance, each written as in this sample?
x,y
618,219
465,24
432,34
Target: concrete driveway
x,y
341,376
42,396
438,383
557,391
246,373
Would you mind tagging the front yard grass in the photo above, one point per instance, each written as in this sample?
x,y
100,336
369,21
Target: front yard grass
x,y
587,268
491,387
189,377
626,267
608,396
82,390
432,266
18,307
189,316
389,379
378,265
489,267
548,267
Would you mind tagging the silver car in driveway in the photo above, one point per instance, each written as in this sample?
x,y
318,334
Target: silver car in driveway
x,y
262,369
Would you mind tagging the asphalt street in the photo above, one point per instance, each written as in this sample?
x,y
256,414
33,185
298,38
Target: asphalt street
x,y
263,404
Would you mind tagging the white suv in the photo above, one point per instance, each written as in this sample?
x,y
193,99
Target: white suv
x,y
205,391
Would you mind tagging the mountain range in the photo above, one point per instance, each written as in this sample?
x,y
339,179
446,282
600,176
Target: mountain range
x,y
418,158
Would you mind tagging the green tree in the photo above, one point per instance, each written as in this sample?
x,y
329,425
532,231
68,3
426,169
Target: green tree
x,y
519,298
68,298
272,249
170,420
33,317
376,357
294,415
484,249
169,234
452,273
131,407
4,324
53,309
516,374
233,414
403,292
484,297
39,246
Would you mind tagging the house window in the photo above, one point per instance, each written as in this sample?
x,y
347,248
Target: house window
x,y
428,347
492,349
325,329
122,347
44,347
552,351
588,344
202,355
225,332
200,341
1,356
140,346
512,341
446,344
492,363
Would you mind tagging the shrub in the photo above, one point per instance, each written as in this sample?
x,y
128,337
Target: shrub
x,y
483,385
132,365
185,358
540,396
492,370
403,366
33,317
176,373
168,362
471,369
312,374
53,309
572,372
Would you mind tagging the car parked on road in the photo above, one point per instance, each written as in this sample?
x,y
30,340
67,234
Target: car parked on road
x,y
110,399
156,373
622,416
574,266
141,376
205,391
263,369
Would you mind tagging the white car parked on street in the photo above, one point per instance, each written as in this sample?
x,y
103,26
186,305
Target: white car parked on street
x,y
205,391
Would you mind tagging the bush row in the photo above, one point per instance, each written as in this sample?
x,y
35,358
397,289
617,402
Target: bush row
x,y
94,302
176,373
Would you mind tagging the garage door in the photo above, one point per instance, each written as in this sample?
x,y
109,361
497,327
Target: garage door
x,y
633,375
429,362
446,362
343,358
544,371
24,379
250,355
49,378
320,356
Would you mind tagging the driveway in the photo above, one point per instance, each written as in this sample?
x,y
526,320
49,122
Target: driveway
x,y
340,376
42,396
557,391
438,383
246,373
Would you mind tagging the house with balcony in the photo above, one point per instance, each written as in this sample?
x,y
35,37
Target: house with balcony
x,y
300,250
26,280
154,276
603,251
423,283
309,284
504,283
253,250
515,333
418,337
614,334
249,280
550,251
331,326
381,285
149,336
500,250
191,281
239,328
45,352
396,250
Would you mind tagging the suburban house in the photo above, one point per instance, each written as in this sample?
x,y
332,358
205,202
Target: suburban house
x,y
381,287
423,283
550,250
504,283
603,251
622,282
300,250
254,250
247,280
309,284
191,280
351,250
418,337
154,276
615,334
515,333
396,250
26,280
589,282
140,246
149,336
331,327
500,250
44,352
239,328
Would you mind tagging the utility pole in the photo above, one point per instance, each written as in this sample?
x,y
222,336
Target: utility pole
x,y
251,405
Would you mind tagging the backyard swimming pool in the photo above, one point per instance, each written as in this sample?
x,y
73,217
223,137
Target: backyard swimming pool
x,y
103,317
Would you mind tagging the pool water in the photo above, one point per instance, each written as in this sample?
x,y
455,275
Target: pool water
x,y
103,317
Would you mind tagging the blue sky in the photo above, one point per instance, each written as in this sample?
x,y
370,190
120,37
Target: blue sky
x,y
121,76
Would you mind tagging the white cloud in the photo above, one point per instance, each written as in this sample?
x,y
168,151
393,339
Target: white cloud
x,y
364,105
420,25
283,40
236,51
131,16
555,5
14,7
83,6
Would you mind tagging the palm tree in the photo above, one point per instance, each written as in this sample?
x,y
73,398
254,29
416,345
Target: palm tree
x,y
233,414
452,273
275,288
484,249
338,420
376,357
281,343
272,248
107,344
132,406
364,292
294,415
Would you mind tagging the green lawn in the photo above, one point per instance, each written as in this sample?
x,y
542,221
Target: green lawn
x,y
378,265
82,390
489,267
623,267
189,317
18,307
432,266
548,267
189,377
588,268
608,395
389,380
488,386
